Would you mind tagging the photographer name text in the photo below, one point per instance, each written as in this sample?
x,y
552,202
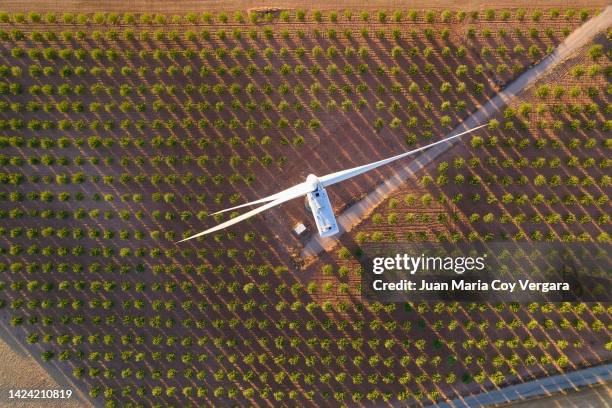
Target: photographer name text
x,y
465,285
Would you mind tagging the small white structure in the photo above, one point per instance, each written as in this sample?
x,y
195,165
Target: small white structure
x,y
314,189
299,228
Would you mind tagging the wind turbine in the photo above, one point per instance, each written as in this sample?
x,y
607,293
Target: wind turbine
x,y
314,189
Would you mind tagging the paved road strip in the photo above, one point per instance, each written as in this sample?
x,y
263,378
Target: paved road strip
x,y
545,386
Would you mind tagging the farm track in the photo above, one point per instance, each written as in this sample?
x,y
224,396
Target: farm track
x,y
356,213
184,6
292,26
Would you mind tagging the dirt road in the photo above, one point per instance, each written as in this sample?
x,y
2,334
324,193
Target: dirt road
x,y
183,6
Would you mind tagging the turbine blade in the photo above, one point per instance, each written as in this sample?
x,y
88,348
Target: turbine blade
x,y
286,197
297,187
342,175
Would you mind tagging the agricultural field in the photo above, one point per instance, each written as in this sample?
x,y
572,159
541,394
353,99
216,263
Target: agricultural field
x,y
539,173
121,133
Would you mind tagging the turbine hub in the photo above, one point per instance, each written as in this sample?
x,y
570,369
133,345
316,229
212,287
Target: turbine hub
x,y
313,181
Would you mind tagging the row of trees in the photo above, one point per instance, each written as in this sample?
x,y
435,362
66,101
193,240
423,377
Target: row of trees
x,y
317,52
444,122
250,89
377,236
129,34
538,180
583,144
300,15
129,91
152,253
549,218
589,145
173,160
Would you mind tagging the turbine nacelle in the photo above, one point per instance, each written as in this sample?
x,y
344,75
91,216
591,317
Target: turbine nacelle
x,y
321,208
314,189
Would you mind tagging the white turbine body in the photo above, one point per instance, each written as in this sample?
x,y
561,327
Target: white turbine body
x,y
314,190
321,208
